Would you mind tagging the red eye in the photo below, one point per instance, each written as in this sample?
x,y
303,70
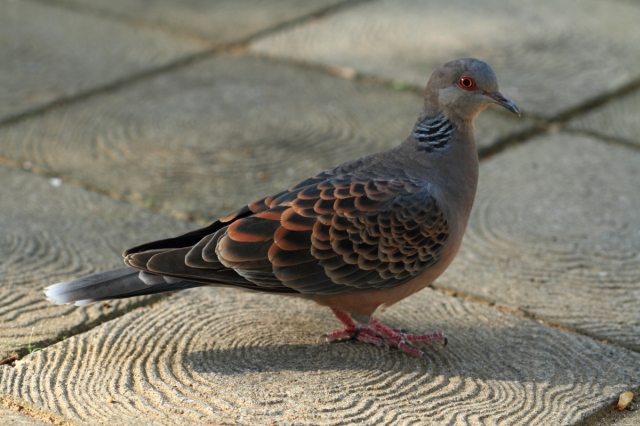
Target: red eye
x,y
467,83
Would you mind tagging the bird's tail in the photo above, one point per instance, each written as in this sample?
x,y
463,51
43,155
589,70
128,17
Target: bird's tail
x,y
114,284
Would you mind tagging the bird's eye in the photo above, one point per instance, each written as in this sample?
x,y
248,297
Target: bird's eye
x,y
467,83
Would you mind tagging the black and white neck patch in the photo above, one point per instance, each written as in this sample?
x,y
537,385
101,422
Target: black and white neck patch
x,y
433,133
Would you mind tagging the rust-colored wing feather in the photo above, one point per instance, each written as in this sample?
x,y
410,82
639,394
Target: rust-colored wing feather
x,y
328,234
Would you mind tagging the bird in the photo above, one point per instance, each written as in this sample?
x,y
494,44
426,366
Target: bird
x,y
363,234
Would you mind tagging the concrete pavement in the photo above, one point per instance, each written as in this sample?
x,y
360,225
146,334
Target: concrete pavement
x,y
122,122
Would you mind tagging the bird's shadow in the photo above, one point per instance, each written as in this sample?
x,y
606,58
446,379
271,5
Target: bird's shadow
x,y
512,354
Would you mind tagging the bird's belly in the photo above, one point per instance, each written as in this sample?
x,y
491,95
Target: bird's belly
x,y
366,302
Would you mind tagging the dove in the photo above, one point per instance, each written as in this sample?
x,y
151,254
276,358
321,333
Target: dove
x,y
364,234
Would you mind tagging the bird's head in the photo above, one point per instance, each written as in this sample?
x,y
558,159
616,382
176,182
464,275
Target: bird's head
x,y
464,87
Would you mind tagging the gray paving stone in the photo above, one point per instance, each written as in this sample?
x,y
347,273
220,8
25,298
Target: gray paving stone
x,y
213,136
51,233
15,418
617,418
222,21
555,231
631,419
617,119
229,357
49,53
549,56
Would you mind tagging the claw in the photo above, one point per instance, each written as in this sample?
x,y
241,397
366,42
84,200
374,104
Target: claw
x,y
336,335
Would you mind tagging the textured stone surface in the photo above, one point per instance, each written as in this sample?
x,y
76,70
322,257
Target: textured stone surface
x,y
15,418
50,53
225,356
631,419
555,231
221,21
216,135
627,417
548,55
52,233
618,119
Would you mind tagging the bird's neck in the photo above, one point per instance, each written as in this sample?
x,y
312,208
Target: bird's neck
x,y
451,170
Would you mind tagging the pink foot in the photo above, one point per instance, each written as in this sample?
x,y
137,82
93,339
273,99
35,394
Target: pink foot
x,y
379,334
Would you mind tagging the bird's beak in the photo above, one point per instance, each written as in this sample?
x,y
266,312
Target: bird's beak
x,y
502,100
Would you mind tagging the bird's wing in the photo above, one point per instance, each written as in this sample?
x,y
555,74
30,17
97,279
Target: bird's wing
x,y
329,234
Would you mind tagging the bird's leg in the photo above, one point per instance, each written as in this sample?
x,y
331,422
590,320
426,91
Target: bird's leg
x,y
376,333
352,330
349,330
345,319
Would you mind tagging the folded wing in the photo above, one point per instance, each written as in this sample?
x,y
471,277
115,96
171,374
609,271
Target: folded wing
x,y
327,235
